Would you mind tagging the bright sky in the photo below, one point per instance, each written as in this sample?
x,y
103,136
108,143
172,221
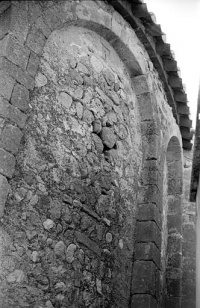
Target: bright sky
x,y
180,21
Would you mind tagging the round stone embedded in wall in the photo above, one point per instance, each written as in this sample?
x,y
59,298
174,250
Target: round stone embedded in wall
x,y
70,253
40,80
48,224
65,99
98,143
109,237
108,137
97,126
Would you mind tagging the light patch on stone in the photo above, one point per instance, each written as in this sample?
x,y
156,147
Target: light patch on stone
x,y
109,237
121,244
48,224
16,276
76,127
59,248
70,253
35,256
97,64
99,286
79,110
40,80
65,100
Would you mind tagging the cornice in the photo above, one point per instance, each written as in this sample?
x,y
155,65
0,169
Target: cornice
x,y
143,22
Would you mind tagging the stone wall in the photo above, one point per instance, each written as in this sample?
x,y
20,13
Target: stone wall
x,y
85,132
189,238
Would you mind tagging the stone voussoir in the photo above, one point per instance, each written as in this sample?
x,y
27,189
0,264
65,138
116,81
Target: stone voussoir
x,y
4,190
10,138
7,163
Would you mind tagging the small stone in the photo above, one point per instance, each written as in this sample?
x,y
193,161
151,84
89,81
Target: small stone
x,y
16,276
106,221
97,64
79,110
49,241
72,63
98,286
88,116
55,209
31,234
60,297
98,143
59,248
121,245
65,100
111,118
34,200
49,304
109,77
70,253
60,286
35,256
48,224
97,126
108,137
115,98
40,80
109,237
78,93
67,199
24,215
82,68
66,216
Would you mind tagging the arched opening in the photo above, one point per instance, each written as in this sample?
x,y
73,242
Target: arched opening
x,y
172,226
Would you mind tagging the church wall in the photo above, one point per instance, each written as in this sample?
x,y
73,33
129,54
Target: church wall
x,y
85,128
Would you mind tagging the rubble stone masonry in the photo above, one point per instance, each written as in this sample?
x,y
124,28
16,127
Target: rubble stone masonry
x,y
91,163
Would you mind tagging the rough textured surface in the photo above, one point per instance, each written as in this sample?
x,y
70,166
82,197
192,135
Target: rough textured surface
x,y
92,154
74,183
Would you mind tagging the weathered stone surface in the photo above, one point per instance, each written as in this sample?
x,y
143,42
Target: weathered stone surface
x,y
148,232
10,138
20,97
12,50
4,190
143,301
36,40
48,224
143,278
98,143
59,249
83,239
108,137
70,253
65,100
40,80
16,73
7,163
17,276
6,84
33,63
85,201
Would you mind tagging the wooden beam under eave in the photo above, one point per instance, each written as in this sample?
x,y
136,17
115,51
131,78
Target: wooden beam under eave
x,y
153,29
187,144
182,108
140,10
185,122
170,65
180,96
175,82
163,49
186,134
